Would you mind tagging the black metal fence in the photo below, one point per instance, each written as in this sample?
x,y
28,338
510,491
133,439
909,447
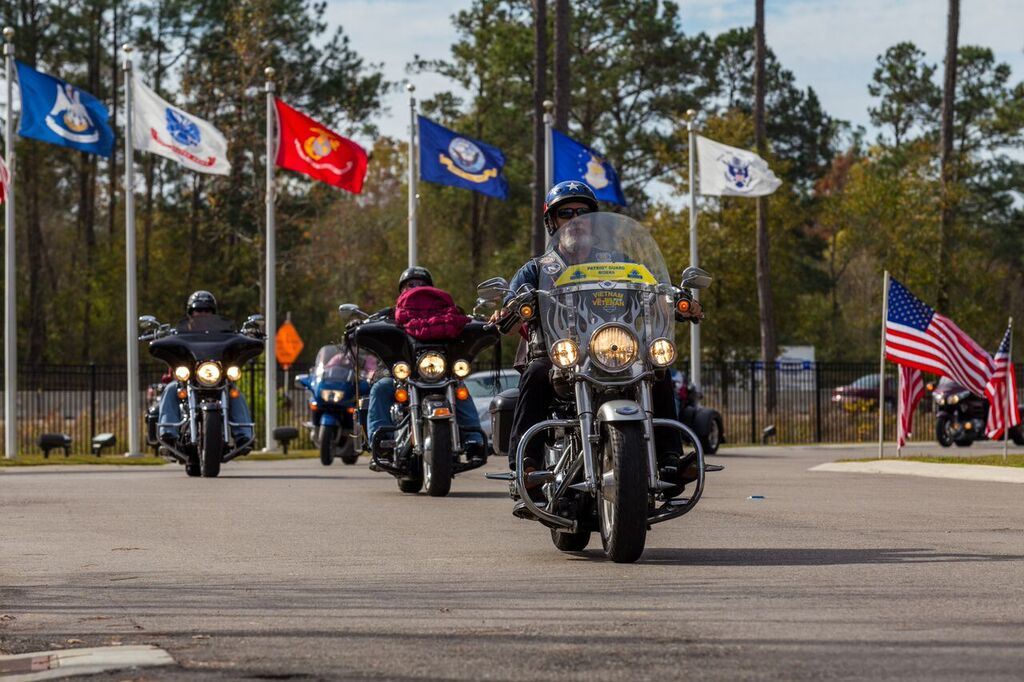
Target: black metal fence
x,y
84,400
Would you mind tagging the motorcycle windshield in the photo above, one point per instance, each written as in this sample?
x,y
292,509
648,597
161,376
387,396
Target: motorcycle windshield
x,y
333,364
605,268
205,324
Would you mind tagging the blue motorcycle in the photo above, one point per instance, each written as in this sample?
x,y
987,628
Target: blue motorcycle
x,y
332,385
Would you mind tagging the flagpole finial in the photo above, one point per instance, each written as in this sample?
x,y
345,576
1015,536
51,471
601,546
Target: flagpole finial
x,y
269,73
691,114
8,34
410,88
548,105
127,48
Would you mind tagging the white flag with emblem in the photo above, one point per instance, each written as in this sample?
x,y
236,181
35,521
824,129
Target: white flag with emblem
x,y
733,172
164,129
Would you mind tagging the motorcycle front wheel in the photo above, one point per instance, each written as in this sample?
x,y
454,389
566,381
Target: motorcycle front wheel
x,y
327,438
348,452
211,446
623,499
942,434
437,459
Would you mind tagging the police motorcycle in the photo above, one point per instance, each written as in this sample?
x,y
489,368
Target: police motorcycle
x,y
961,416
425,447
206,355
608,328
331,384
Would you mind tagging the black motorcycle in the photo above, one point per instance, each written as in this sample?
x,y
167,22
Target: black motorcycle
x,y
206,356
425,446
705,421
961,416
153,393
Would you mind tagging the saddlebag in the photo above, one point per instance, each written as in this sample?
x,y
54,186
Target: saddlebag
x,y
502,407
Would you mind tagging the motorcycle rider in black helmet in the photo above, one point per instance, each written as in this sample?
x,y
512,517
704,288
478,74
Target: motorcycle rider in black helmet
x,y
200,304
572,244
382,393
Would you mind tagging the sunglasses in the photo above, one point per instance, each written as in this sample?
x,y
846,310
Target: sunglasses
x,y
572,212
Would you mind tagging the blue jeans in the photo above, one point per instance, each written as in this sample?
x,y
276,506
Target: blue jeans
x,y
382,397
170,413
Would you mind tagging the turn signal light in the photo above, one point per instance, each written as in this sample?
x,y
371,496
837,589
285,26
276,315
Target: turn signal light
x,y
402,395
968,426
462,393
683,306
441,412
182,393
312,406
233,393
526,311
351,410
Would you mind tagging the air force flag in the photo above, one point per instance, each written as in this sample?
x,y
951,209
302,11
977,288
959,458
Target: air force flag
x,y
448,158
732,172
575,161
55,111
161,128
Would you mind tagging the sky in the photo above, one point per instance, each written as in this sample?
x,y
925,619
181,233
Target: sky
x,y
830,45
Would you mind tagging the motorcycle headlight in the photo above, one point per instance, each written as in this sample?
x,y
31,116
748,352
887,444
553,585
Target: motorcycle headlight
x,y
331,396
431,366
663,352
182,373
208,373
940,400
565,353
234,373
613,347
401,371
953,399
460,368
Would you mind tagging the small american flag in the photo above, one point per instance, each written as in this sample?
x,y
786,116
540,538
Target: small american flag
x,y
917,336
911,392
5,180
1002,381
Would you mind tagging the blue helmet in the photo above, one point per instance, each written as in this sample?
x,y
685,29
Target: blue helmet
x,y
563,192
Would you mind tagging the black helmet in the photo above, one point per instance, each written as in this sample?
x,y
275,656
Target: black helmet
x,y
201,300
415,272
569,190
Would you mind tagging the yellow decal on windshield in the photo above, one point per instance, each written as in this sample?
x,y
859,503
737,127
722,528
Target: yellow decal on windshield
x,y
606,272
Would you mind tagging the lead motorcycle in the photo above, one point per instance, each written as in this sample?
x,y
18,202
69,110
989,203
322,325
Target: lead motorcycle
x,y
206,355
425,447
609,329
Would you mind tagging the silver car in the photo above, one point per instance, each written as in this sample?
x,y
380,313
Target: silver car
x,y
482,388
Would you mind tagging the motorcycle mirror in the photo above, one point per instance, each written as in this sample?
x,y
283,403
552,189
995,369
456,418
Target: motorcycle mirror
x,y
350,310
695,278
493,289
300,380
147,322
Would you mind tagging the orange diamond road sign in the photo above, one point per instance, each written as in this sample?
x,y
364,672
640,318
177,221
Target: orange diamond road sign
x,y
287,344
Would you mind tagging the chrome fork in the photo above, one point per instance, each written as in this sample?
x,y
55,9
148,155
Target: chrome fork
x,y
586,416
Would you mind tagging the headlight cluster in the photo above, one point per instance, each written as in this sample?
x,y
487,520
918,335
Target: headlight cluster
x,y
613,347
234,373
953,399
431,366
663,352
460,368
331,396
182,373
565,353
208,373
401,371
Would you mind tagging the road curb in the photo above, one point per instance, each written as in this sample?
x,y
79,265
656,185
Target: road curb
x,y
962,472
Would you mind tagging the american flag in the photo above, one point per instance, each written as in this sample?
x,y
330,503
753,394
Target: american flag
x,y
996,392
917,336
5,180
911,392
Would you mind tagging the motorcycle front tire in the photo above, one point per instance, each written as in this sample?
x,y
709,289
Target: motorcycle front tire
x,y
623,497
942,431
348,452
437,459
211,446
327,437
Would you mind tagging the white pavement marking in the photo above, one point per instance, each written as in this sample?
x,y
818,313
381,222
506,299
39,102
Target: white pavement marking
x,y
963,472
50,665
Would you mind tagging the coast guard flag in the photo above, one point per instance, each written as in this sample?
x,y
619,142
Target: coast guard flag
x,y
732,172
55,111
575,161
448,158
163,129
1002,387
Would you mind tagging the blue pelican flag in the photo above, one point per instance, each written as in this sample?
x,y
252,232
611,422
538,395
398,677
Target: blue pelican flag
x,y
575,161
448,158
57,112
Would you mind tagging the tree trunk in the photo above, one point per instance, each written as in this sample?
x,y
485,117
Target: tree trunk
x,y
948,172
540,87
563,89
769,347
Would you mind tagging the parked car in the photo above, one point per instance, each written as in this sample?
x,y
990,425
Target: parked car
x,y
482,388
863,392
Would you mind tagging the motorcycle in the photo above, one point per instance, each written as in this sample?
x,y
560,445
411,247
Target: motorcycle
x,y
206,356
425,447
153,393
608,328
705,421
961,416
331,384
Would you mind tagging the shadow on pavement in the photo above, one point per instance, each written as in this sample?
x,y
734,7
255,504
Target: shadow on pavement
x,y
801,556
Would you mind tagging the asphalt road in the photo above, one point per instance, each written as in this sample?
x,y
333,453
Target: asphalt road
x,y
290,570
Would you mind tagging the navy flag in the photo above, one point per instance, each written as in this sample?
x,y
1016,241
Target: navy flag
x,y
575,161
448,158
55,111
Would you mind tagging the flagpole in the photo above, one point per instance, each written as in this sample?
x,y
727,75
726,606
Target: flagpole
x,y
270,309
549,151
10,297
694,259
413,253
881,367
1009,387
131,319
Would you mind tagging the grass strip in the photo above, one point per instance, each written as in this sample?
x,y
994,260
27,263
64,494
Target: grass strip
x,y
1016,460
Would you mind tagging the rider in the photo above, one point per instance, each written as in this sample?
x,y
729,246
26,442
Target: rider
x,y
382,394
201,304
574,244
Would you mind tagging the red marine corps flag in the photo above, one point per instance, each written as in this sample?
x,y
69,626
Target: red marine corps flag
x,y
306,146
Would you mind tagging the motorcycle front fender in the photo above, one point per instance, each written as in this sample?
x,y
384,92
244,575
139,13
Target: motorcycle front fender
x,y
329,419
620,411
